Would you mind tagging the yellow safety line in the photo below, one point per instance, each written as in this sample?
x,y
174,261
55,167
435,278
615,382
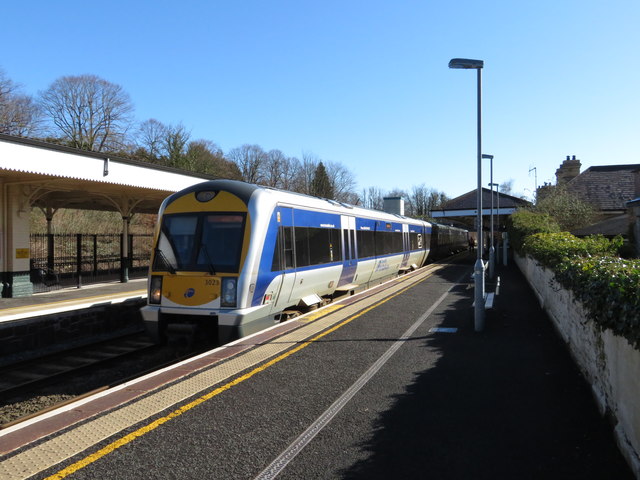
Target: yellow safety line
x,y
40,306
310,317
176,413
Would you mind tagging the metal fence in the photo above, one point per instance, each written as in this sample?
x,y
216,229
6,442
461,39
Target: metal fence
x,y
66,259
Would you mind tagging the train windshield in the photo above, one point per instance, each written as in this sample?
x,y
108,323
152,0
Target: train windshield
x,y
209,242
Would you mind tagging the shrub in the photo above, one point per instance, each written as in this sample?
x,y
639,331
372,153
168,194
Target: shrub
x,y
525,222
607,286
609,289
552,248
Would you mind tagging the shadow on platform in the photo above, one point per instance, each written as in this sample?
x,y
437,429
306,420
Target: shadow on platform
x,y
507,403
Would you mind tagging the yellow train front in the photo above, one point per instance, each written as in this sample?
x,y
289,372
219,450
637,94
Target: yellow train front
x,y
201,242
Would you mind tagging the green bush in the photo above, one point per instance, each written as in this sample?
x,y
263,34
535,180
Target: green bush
x,y
609,289
607,286
524,223
552,248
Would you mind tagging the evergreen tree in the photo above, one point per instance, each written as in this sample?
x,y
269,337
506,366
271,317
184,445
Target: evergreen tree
x,y
320,184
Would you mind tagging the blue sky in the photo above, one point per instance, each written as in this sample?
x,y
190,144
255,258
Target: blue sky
x,y
363,83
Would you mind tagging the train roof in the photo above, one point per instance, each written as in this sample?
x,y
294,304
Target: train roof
x,y
247,190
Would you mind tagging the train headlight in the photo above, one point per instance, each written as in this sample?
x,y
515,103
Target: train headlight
x,y
229,292
155,290
205,196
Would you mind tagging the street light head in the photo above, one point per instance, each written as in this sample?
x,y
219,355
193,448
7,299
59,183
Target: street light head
x,y
490,157
465,63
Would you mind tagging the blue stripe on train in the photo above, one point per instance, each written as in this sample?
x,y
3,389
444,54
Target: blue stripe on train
x,y
288,218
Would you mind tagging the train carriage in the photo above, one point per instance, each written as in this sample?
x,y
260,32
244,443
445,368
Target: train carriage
x,y
232,258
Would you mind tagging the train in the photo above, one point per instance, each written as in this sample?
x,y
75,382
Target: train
x,y
231,258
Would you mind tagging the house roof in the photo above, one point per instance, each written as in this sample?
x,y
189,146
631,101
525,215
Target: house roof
x,y
618,225
606,188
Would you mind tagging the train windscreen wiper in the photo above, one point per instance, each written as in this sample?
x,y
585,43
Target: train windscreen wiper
x,y
203,248
159,254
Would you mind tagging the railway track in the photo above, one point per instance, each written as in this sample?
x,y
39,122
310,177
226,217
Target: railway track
x,y
33,374
35,387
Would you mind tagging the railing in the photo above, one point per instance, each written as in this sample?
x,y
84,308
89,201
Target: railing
x,y
66,259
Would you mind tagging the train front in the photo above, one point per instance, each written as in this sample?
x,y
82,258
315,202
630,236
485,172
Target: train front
x,y
201,243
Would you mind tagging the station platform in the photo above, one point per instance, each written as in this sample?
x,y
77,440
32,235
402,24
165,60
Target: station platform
x,y
390,383
69,299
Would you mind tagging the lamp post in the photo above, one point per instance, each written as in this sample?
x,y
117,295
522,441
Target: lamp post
x,y
493,253
478,269
492,250
497,185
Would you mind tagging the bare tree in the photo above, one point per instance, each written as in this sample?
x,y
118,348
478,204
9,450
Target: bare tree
x,y
372,197
273,168
507,186
290,171
19,114
424,200
250,160
305,173
88,112
420,201
150,138
342,182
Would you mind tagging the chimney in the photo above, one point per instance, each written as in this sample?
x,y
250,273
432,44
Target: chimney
x,y
569,169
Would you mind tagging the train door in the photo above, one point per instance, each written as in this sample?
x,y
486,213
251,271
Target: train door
x,y
349,251
285,246
406,246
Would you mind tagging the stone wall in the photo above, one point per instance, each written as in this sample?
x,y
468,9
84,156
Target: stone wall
x,y
609,363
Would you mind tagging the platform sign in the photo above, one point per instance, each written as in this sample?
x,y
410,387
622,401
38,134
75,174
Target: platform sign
x,y
22,253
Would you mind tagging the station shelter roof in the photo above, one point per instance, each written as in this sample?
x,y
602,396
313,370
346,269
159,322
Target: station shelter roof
x,y
56,176
466,205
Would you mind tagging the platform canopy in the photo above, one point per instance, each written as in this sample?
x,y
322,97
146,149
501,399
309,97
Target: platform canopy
x,y
466,205
54,176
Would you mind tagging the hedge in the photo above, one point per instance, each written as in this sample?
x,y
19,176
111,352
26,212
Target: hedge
x,y
552,248
606,285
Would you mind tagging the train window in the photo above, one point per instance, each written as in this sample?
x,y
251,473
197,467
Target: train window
x,y
283,252
288,247
301,235
181,233
345,243
335,246
315,246
352,239
366,244
396,238
220,243
201,242
380,243
319,246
